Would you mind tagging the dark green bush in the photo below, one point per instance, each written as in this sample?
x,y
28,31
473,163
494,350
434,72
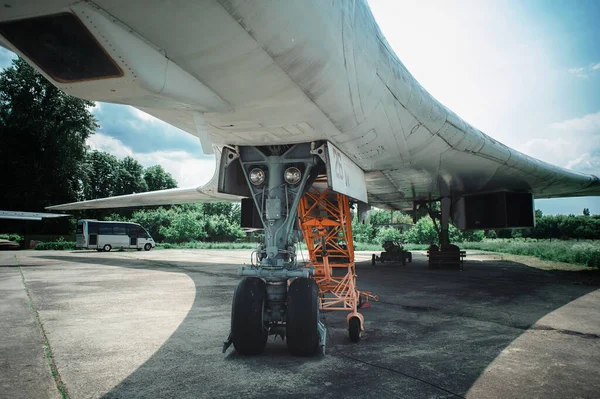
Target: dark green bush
x,y
12,237
55,245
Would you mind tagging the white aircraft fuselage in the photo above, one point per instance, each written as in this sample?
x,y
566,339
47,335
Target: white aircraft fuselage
x,y
282,72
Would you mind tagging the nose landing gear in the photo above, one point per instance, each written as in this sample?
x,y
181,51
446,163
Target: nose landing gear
x,y
278,296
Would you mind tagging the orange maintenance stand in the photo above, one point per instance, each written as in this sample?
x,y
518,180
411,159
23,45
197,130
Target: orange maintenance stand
x,y
326,223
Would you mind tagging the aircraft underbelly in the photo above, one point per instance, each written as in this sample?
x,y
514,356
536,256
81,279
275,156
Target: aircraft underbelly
x,y
258,73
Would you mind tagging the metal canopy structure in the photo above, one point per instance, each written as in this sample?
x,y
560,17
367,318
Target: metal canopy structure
x,y
38,216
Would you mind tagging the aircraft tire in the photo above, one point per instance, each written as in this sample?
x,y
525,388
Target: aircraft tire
x,y
302,317
354,329
248,332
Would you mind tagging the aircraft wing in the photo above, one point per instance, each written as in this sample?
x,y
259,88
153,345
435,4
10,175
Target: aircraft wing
x,y
257,73
162,197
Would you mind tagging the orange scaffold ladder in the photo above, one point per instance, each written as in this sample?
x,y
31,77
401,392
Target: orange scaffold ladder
x,y
326,224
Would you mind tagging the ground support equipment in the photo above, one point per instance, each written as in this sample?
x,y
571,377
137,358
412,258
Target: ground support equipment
x,y
393,252
325,221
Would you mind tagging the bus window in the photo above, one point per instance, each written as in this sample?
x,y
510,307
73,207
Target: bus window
x,y
119,230
92,228
105,229
142,233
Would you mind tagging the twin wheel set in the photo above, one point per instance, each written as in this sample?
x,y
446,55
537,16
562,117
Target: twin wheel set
x,y
304,333
250,327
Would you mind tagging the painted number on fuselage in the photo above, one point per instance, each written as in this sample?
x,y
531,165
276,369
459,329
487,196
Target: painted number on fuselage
x,y
340,171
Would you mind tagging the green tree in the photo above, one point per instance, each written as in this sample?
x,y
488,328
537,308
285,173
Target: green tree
x,y
586,211
158,179
231,210
131,177
387,234
380,217
185,226
101,177
220,228
42,136
153,219
423,232
362,232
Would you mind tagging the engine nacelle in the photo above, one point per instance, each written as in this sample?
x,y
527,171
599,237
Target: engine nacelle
x,y
500,210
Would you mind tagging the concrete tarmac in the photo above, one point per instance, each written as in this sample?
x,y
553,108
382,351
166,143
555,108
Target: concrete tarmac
x,y
151,325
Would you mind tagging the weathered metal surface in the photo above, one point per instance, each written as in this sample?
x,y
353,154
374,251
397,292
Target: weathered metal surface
x,y
298,71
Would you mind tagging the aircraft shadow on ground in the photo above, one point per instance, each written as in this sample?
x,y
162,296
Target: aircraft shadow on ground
x,y
432,334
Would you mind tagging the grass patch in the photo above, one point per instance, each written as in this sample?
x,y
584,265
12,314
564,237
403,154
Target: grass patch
x,y
586,253
207,245
576,252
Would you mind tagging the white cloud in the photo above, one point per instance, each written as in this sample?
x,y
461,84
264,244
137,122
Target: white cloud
x,y
184,167
584,72
579,72
109,144
556,151
573,144
589,163
588,124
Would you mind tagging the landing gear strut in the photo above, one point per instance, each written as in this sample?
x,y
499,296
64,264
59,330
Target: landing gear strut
x,y
446,255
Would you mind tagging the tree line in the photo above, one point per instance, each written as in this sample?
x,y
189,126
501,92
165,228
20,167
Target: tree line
x,y
44,158
106,176
378,230
214,222
564,227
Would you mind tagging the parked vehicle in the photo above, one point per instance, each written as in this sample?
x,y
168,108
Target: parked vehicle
x,y
9,245
393,252
104,236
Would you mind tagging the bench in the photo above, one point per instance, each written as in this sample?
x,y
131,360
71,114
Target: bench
x,y
439,258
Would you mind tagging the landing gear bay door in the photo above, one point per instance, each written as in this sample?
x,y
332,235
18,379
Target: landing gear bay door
x,y
343,175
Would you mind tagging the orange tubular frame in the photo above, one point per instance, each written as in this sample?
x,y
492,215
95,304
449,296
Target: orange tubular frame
x,y
326,224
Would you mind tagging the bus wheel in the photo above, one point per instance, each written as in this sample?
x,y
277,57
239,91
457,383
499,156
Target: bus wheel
x,y
106,248
147,247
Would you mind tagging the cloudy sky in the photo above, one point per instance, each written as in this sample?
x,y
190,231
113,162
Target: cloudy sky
x,y
526,73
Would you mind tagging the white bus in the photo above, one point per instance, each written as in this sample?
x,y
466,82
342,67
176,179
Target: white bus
x,y
104,236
